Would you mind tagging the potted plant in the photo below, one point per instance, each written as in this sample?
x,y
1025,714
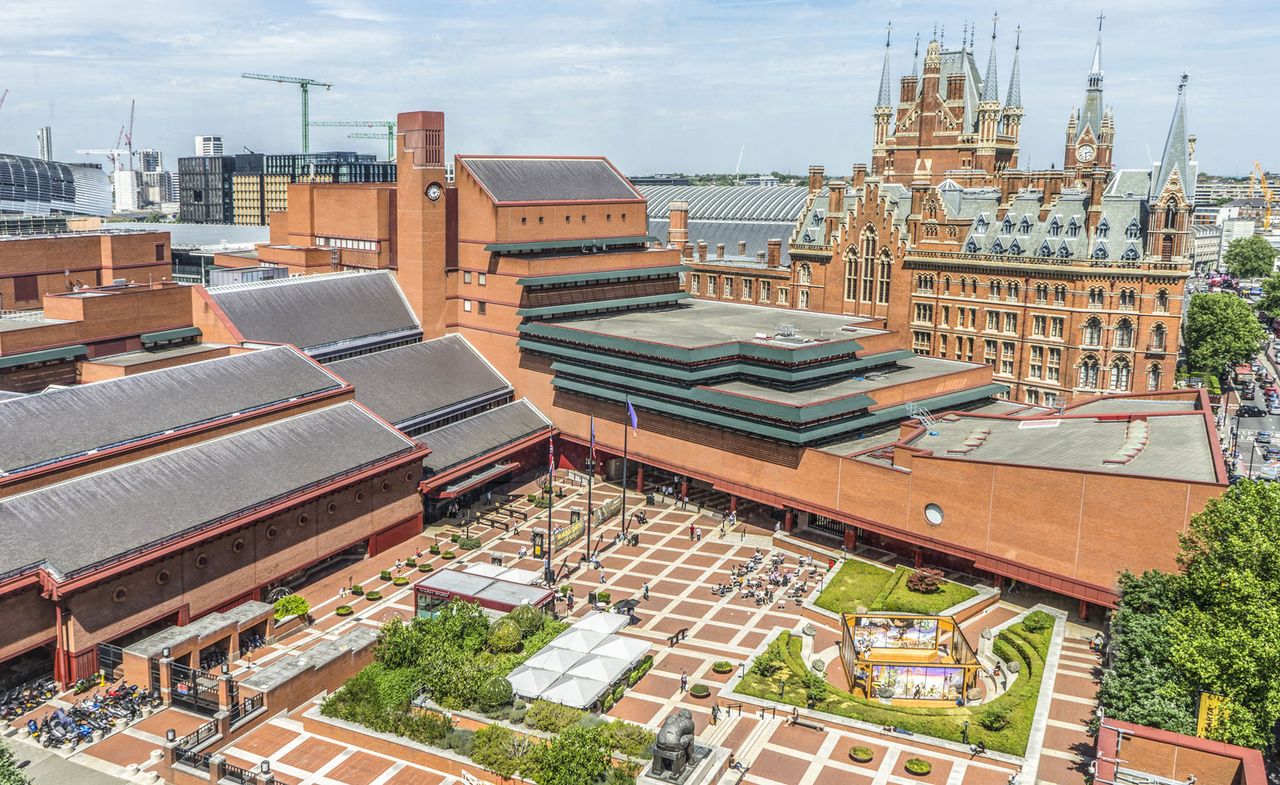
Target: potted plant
x,y
699,691
722,667
411,562
434,550
917,767
343,610
400,580
453,538
385,575
424,567
357,590
861,754
373,596
447,555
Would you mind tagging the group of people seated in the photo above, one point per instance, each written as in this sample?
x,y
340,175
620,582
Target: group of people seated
x,y
764,588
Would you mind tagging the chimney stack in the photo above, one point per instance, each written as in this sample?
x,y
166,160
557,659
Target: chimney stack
x,y
719,250
742,248
759,256
815,178
686,251
678,223
835,204
774,256
702,250
859,176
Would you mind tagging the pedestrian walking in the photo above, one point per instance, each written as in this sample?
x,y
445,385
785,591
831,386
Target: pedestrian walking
x,y
602,575
645,590
568,598
684,503
777,526
698,531
691,530
684,681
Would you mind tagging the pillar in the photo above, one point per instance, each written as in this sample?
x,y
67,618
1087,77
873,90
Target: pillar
x,y
224,691
850,538
165,678
216,761
788,519
1084,610
999,583
640,478
733,503
684,487
917,556
223,718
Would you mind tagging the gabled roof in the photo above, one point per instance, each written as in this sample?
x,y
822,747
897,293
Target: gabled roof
x,y
422,381
318,312
516,179
459,442
69,422
73,525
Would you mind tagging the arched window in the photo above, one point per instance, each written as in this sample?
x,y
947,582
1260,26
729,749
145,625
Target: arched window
x,y
946,285
806,274
850,276
803,300
995,289
1120,373
1059,295
1158,336
882,296
1128,298
1170,215
1042,292
868,263
1096,297
1093,332
1014,290
1124,334
1162,301
1154,375
1088,376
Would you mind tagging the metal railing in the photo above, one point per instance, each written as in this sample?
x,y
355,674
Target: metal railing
x,y
196,760
236,774
199,736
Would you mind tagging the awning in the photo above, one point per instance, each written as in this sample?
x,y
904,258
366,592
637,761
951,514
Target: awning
x,y
467,483
44,356
596,305
171,335
602,275
584,244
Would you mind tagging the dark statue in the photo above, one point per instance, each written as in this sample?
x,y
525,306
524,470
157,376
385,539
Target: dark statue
x,y
673,749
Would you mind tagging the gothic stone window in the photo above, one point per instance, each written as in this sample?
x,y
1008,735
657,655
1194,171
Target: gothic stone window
x,y
1088,372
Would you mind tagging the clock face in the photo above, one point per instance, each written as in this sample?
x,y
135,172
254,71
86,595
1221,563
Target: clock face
x,y
1085,153
434,191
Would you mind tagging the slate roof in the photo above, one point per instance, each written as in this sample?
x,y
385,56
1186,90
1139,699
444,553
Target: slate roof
x,y
418,381
70,421
757,235
459,442
549,179
728,202
80,523
314,312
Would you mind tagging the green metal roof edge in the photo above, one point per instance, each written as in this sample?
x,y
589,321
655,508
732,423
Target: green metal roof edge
x,y
44,355
601,275
597,305
936,404
171,335
797,415
584,242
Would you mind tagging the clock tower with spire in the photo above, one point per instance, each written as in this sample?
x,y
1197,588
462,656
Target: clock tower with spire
x,y
1090,130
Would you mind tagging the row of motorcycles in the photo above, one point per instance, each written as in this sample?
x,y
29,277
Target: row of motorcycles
x,y
25,697
71,727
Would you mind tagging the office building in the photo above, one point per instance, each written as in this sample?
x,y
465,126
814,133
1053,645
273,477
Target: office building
x,y
150,160
209,145
44,143
127,185
31,186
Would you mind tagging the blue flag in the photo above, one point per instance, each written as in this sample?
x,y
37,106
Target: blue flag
x,y
593,437
631,413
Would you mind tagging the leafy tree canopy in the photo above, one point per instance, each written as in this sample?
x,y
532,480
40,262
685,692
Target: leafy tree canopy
x,y
1250,257
1270,302
10,773
1221,329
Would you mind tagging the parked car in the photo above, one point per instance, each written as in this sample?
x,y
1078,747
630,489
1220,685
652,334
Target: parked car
x,y
1273,452
1249,411
1263,437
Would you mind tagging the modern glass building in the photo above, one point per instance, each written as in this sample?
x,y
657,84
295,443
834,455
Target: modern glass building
x,y
30,186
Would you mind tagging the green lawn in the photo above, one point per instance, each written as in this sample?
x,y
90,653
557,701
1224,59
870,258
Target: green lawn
x,y
789,685
861,584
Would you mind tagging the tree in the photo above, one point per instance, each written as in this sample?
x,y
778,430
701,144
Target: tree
x,y
10,773
1220,329
578,755
291,605
1250,257
1270,302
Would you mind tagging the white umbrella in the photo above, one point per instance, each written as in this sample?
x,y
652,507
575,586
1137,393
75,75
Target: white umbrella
x,y
619,647
597,621
530,682
575,691
605,669
554,659
579,640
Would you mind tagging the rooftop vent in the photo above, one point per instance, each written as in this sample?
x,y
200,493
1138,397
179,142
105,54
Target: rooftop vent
x,y
786,331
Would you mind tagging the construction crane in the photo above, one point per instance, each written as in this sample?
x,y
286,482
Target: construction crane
x,y
3,96
389,132
305,84
127,136
1259,178
114,155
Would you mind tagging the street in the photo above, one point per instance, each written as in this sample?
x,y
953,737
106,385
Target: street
x,y
1252,455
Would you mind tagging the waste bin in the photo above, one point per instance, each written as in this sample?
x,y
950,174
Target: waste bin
x,y
649,499
635,539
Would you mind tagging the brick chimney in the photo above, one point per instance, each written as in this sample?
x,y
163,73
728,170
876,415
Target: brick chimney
x,y
774,256
742,248
955,87
719,250
702,250
815,178
836,200
859,175
678,223
686,251
760,257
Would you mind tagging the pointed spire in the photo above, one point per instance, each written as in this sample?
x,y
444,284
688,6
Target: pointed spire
x,y
886,97
964,37
1014,98
1096,68
1176,156
915,57
990,84
973,30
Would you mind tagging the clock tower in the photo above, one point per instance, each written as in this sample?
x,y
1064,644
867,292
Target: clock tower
x,y
1091,130
425,218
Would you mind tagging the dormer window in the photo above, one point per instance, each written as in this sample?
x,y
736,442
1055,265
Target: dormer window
x,y
998,247
1024,228
1007,226
817,219
1103,229
980,225
1055,228
1130,254
1134,230
1064,251
1100,252
971,246
1073,228
1045,250
1014,248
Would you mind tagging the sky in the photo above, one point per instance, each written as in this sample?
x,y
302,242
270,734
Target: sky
x,y
656,85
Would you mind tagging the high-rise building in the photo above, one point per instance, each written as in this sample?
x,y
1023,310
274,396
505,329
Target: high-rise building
x,y
208,145
30,186
44,143
150,160
127,190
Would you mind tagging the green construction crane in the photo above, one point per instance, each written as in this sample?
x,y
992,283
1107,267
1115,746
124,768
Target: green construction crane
x,y
389,132
303,83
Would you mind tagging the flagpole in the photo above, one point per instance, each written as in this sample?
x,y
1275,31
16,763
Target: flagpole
x,y
626,430
551,469
591,470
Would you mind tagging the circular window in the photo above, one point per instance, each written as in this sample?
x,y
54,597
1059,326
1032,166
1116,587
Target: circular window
x,y
238,545
202,561
162,577
271,532
119,594
303,519
359,496
933,514
332,508
385,486
408,476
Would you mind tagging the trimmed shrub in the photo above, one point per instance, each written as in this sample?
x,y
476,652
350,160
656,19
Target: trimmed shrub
x,y
699,690
357,590
551,717
722,667
604,597
565,589
425,568
454,538
607,703
504,635
1037,621
411,562
385,575
629,739
469,543
995,717
447,555
618,692
528,618
373,596
497,749
861,754
460,741
925,581
494,694
343,610
291,605
918,766
434,550
400,580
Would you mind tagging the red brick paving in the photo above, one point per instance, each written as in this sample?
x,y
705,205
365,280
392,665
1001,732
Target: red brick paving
x,y
122,749
311,754
265,740
360,769
779,767
412,776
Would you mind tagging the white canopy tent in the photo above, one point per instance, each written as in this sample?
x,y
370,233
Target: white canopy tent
x,y
579,640
531,682
575,691
555,659
620,648
597,621
605,669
